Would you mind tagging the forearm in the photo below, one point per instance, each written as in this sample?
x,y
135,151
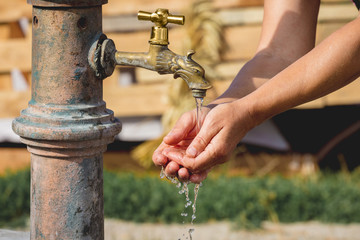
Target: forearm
x,y
328,67
262,67
288,33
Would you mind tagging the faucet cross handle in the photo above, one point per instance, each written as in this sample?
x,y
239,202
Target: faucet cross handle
x,y
161,17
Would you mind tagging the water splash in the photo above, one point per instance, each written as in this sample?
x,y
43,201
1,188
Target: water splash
x,y
199,103
196,191
184,189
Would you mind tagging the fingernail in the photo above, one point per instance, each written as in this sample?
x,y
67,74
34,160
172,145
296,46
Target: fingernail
x,y
191,152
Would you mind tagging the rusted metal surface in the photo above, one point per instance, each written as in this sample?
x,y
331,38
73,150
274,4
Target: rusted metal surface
x,y
66,125
66,198
67,3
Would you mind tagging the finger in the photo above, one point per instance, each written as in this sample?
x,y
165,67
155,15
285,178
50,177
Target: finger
x,y
179,156
202,139
158,158
199,177
183,174
181,129
216,152
174,154
185,143
171,169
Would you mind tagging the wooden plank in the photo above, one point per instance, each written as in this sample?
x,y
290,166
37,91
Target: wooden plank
x,y
254,15
326,29
228,70
11,30
5,82
125,23
337,12
17,101
5,31
233,17
144,76
346,95
137,100
13,10
237,3
118,7
151,99
15,53
242,42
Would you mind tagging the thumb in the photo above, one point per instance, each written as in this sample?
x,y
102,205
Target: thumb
x,y
181,129
201,141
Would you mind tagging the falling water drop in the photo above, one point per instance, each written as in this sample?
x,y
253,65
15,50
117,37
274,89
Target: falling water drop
x,y
199,103
162,172
184,189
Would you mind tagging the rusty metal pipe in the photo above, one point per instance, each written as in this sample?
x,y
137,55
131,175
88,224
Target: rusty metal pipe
x,y
66,125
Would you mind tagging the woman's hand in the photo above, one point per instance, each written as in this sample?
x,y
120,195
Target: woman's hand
x,y
223,128
178,140
190,155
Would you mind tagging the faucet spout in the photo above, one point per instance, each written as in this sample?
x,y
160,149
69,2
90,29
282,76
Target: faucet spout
x,y
134,59
164,61
103,56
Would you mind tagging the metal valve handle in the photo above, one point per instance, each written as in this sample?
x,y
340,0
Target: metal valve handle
x,y
161,17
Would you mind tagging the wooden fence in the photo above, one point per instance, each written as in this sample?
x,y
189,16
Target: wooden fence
x,y
148,96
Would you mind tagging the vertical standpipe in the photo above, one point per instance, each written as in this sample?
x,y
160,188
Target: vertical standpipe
x,y
66,125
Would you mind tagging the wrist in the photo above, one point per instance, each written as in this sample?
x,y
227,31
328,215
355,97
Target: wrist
x,y
218,101
247,107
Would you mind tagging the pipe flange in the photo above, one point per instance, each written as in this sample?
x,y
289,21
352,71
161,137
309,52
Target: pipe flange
x,y
102,57
107,57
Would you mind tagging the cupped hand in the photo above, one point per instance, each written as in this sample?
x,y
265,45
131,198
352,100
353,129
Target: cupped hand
x,y
223,128
178,139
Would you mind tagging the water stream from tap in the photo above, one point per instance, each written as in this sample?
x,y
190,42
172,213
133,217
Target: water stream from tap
x,y
184,188
199,103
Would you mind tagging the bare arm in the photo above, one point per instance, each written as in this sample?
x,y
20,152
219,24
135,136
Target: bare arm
x,y
262,89
328,67
331,65
288,32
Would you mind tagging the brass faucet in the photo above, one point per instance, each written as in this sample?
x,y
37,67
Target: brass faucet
x,y
104,57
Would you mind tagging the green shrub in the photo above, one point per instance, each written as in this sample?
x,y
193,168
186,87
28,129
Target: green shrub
x,y
140,199
247,201
15,198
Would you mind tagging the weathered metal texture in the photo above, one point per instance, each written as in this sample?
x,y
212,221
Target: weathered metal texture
x,y
66,125
66,3
66,198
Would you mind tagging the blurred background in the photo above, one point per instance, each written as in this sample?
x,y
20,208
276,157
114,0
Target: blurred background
x,y
299,166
